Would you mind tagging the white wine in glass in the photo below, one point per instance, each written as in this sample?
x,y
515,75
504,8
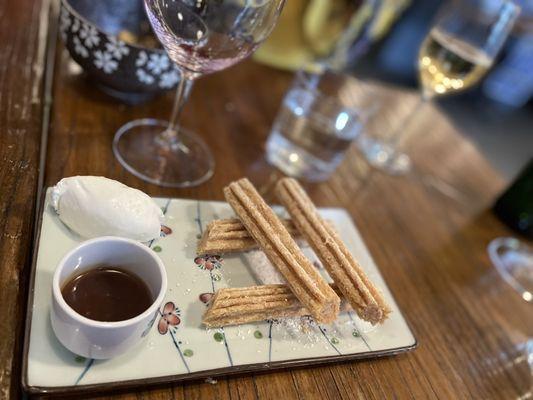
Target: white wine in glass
x,y
448,64
456,54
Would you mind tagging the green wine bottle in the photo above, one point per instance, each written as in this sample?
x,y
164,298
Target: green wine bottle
x,y
515,206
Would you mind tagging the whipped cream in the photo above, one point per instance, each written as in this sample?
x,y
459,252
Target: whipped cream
x,y
95,206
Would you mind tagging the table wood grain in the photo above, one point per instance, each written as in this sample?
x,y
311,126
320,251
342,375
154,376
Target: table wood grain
x,y
22,61
427,231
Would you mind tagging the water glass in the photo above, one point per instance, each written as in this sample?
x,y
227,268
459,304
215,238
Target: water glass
x,y
320,116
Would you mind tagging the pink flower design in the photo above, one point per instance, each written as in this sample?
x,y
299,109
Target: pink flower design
x,y
169,317
165,230
208,262
206,297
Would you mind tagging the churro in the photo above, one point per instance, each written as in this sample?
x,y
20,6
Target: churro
x,y
343,268
224,236
282,251
234,306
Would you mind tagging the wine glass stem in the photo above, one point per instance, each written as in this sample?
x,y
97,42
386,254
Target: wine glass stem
x,y
171,135
401,128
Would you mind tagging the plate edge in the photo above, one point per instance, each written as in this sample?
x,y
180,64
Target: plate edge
x,y
227,371
240,370
31,290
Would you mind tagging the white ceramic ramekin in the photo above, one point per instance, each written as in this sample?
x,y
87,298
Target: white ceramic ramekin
x,y
95,339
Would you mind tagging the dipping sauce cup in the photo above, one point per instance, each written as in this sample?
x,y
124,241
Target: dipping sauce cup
x,y
96,339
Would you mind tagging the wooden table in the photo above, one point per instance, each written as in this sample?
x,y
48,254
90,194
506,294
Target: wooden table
x,y
431,249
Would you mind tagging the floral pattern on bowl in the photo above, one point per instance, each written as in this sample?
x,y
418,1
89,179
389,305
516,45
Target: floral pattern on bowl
x,y
122,69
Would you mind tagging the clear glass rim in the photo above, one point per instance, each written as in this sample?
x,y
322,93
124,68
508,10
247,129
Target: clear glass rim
x,y
474,5
309,80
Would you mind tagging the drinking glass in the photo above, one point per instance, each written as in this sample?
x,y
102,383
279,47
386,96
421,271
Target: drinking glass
x,y
513,260
201,37
328,36
310,34
458,51
320,116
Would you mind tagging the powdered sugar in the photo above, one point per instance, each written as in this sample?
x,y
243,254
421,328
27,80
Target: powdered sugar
x,y
262,269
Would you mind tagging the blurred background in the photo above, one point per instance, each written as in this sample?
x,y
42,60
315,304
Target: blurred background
x,y
381,41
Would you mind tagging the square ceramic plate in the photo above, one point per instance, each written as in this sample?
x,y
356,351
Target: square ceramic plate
x,y
186,350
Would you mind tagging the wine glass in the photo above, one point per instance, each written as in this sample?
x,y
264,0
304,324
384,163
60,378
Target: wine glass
x,y
201,37
456,54
513,260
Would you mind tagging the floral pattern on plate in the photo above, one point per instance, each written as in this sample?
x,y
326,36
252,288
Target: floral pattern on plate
x,y
178,344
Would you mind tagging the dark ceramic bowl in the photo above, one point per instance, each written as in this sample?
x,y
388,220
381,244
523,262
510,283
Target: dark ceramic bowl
x,y
90,31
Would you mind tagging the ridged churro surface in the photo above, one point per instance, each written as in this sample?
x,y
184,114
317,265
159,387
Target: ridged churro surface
x,y
233,306
343,268
282,251
223,236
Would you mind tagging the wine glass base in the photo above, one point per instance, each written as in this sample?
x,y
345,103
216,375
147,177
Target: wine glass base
x,y
513,260
140,148
384,157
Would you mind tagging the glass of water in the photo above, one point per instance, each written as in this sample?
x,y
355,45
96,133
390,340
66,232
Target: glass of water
x,y
321,115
